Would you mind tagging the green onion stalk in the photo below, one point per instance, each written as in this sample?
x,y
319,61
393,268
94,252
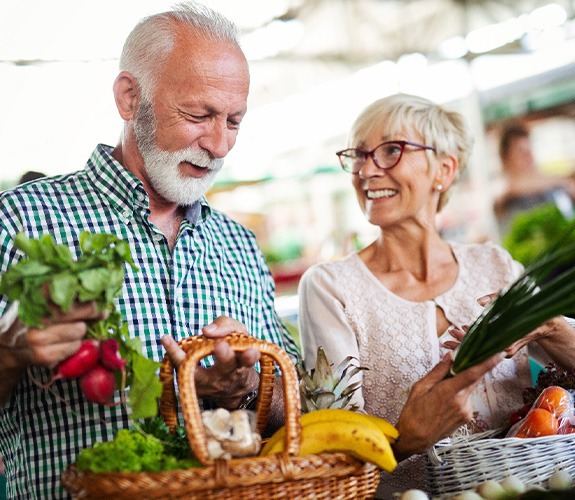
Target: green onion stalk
x,y
544,290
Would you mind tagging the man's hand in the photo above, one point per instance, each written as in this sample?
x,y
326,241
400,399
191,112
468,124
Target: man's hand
x,y
232,376
61,337
21,347
437,406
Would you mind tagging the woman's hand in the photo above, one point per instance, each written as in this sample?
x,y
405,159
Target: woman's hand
x,y
547,329
437,406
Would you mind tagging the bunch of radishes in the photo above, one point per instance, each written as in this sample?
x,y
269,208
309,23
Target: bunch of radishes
x,y
96,364
110,357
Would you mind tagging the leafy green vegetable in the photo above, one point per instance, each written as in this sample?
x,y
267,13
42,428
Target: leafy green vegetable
x,y
533,231
546,289
49,273
146,389
97,275
132,451
175,443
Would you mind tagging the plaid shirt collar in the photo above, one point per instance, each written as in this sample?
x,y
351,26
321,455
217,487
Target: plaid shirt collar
x,y
126,192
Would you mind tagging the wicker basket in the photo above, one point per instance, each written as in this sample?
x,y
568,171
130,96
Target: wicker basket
x,y
286,475
465,462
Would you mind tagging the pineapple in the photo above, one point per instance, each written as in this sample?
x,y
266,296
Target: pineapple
x,y
324,388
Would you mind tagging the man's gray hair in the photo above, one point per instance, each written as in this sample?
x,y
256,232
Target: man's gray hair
x,y
152,39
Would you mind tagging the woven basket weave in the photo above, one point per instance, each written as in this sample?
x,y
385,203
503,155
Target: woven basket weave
x,y
285,476
466,462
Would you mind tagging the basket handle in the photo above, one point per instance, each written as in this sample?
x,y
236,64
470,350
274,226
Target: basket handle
x,y
197,348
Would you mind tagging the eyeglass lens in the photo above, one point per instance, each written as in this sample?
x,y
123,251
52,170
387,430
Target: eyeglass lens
x,y
386,155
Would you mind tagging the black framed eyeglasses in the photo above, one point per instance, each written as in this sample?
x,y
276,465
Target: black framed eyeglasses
x,y
386,155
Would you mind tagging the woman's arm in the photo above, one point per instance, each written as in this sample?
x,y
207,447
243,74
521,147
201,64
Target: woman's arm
x,y
323,322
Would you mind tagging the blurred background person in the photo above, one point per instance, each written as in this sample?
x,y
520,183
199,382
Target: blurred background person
x,y
524,186
30,175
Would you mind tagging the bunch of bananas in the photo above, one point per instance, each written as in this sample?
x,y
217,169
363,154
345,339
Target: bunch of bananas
x,y
365,437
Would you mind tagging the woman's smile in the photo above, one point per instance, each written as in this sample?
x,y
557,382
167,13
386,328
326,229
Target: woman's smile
x,y
377,194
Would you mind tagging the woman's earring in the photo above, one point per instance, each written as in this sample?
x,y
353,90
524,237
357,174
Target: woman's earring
x,y
439,187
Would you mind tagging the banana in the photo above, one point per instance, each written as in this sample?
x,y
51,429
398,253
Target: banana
x,y
357,439
334,415
327,414
386,427
274,442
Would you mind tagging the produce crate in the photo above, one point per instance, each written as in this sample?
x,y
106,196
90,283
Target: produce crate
x,y
286,475
459,464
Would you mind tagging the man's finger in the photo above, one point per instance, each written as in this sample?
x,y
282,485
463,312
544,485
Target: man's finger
x,y
78,312
249,357
175,352
225,358
222,326
60,333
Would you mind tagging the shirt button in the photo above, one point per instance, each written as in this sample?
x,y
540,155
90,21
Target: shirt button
x,y
140,196
158,237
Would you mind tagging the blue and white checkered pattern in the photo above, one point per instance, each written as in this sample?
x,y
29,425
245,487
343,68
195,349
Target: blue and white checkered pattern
x,y
215,269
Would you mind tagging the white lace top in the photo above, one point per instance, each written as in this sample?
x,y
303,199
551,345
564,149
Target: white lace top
x,y
347,310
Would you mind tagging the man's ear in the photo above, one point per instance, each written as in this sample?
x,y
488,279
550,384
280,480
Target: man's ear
x,y
447,171
127,95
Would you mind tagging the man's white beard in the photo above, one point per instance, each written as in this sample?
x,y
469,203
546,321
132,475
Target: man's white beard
x,y
162,167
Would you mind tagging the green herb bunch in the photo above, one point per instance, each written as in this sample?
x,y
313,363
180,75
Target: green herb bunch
x,y
49,276
545,289
137,451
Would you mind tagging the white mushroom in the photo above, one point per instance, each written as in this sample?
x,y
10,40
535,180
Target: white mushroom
x,y
231,434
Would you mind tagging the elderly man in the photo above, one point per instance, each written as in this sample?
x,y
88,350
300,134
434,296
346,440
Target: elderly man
x,y
182,93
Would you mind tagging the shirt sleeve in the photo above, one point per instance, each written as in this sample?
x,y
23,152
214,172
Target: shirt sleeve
x,y
323,322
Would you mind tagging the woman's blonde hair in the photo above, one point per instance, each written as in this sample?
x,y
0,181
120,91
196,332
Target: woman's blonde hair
x,y
439,127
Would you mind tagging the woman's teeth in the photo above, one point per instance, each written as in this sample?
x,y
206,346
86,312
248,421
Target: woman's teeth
x,y
381,193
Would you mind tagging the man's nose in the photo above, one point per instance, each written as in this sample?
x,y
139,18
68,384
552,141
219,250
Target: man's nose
x,y
218,139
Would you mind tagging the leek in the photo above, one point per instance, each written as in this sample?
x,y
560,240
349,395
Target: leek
x,y
545,289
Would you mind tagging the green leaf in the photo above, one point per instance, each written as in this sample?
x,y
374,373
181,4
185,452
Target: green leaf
x,y
30,247
146,387
32,310
63,290
30,268
94,281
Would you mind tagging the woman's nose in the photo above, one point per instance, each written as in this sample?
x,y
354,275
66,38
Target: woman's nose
x,y
369,168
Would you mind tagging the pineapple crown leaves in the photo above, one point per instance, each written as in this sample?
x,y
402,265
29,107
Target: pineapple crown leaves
x,y
322,375
323,387
545,289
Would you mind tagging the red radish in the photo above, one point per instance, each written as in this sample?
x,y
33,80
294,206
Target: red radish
x,y
80,362
110,355
98,385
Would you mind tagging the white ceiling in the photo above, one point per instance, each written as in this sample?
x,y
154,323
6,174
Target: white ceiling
x,y
58,59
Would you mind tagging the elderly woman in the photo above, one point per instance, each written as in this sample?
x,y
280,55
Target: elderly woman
x,y
393,303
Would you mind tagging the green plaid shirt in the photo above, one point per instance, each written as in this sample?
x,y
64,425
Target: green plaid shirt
x,y
215,269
